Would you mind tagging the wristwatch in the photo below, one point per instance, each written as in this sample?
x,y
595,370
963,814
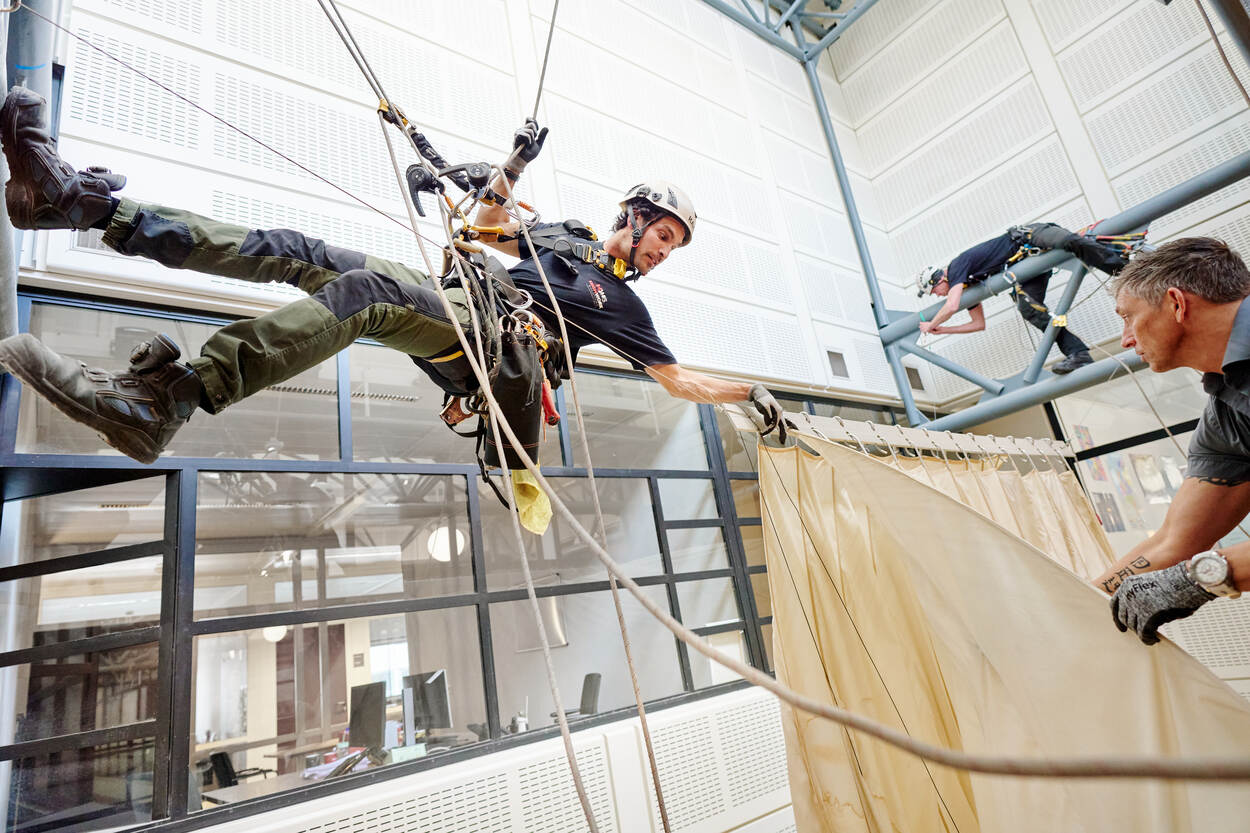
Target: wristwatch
x,y
1210,571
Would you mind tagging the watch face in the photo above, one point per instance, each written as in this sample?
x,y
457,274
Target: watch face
x,y
1210,569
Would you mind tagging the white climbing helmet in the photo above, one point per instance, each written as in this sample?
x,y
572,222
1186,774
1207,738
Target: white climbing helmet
x,y
668,198
927,278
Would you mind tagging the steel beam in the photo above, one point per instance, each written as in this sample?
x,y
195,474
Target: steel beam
x,y
1043,391
1139,215
994,386
837,31
756,27
857,232
795,5
1052,332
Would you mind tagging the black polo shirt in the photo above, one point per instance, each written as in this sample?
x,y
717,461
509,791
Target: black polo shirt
x,y
1220,447
982,260
597,307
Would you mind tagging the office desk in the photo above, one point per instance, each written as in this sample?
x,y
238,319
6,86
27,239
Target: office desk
x,y
256,787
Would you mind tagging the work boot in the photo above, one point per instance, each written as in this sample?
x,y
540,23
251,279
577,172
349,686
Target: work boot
x,y
1071,363
43,191
137,411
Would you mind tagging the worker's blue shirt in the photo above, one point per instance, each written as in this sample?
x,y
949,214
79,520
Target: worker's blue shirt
x,y
598,307
1220,447
982,260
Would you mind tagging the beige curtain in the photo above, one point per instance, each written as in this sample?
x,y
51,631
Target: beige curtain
x,y
1045,507
895,600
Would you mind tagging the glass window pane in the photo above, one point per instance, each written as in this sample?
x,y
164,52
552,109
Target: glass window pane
x,y
297,419
634,424
561,556
1116,409
80,603
83,692
279,541
1132,489
692,550
707,673
763,599
746,498
93,788
739,447
792,404
708,602
308,686
86,520
585,628
753,544
395,411
685,500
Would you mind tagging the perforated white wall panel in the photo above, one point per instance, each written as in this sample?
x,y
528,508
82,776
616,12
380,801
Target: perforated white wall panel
x,y
874,29
1063,21
967,80
951,26
1039,178
1188,96
722,767
1216,636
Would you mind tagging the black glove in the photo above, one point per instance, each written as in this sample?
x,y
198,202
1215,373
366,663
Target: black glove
x,y
526,144
769,409
1143,603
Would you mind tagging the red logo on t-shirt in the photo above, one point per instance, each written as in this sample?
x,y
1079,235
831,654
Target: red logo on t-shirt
x,y
596,292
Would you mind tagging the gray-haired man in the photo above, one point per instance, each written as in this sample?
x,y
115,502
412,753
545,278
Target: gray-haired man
x,y
1185,305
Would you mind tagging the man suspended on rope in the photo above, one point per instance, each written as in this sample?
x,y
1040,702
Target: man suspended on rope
x,y
1186,305
352,295
991,257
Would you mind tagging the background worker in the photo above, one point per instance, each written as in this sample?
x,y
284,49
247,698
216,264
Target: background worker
x,y
1185,305
994,255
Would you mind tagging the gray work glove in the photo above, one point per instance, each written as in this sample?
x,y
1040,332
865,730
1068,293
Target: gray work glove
x,y
769,409
1143,603
526,144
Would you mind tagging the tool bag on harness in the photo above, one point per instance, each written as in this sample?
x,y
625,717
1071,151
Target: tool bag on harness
x,y
521,355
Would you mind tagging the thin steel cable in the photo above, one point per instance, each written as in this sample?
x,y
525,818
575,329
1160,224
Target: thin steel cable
x,y
542,76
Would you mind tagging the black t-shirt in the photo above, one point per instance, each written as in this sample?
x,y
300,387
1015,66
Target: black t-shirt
x,y
597,306
982,260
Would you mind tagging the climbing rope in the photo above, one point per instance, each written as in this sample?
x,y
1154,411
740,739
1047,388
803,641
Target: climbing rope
x,y
1091,767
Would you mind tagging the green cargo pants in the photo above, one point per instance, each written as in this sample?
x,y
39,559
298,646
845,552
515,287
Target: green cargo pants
x,y
352,295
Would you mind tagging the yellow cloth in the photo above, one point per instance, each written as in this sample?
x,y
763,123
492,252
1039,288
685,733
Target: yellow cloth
x,y
532,502
901,603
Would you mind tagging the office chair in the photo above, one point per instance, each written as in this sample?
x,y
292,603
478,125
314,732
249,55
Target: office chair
x,y
590,696
226,775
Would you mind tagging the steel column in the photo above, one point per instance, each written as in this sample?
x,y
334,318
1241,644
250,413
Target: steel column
x,y
1052,332
1043,391
857,231
992,385
1139,215
755,26
1233,14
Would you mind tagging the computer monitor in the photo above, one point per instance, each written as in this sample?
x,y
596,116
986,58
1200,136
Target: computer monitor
x,y
367,722
431,703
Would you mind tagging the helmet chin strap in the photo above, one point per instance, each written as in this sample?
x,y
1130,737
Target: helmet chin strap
x,y
636,232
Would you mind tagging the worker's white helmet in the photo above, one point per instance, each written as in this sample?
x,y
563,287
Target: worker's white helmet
x,y
668,198
927,278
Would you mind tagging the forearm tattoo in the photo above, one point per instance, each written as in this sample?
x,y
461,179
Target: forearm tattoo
x,y
1224,481
1137,565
